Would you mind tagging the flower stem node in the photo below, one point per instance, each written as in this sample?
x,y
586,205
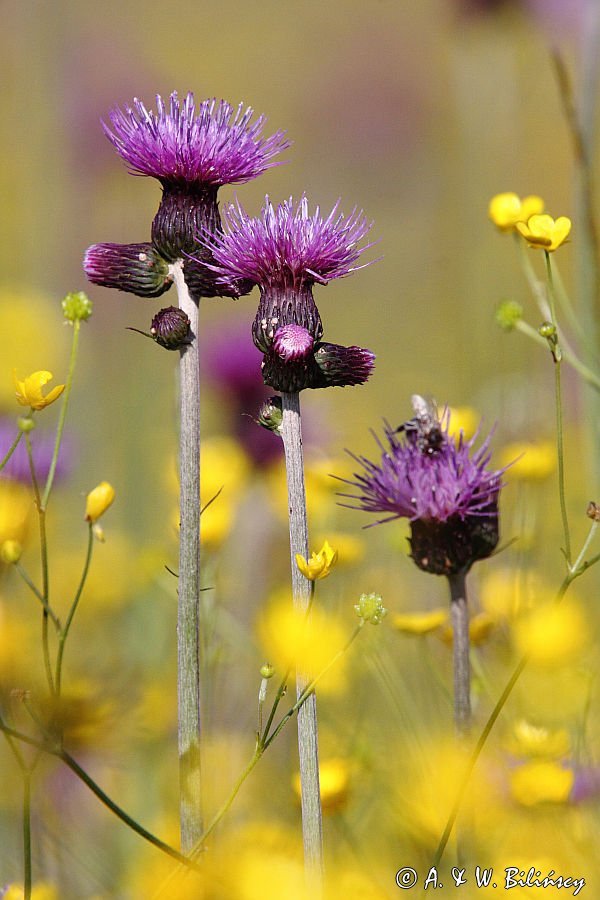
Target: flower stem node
x,y
29,391
170,328
267,670
593,511
77,307
25,424
508,313
506,209
547,330
320,564
542,231
11,551
270,415
134,268
370,608
98,501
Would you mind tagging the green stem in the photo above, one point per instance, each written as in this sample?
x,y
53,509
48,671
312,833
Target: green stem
x,y
472,761
64,633
62,415
27,835
44,564
568,356
83,776
11,450
557,356
37,594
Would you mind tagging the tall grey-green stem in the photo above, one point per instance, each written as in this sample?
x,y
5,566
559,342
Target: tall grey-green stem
x,y
459,614
312,827
188,612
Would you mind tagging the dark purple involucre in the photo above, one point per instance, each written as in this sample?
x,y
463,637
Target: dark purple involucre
x,y
210,144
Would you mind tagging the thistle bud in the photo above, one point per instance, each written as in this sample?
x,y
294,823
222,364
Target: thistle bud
x,y
136,268
270,415
171,328
343,366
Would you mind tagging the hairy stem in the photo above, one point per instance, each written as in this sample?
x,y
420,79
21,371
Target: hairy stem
x,y
312,827
188,614
459,614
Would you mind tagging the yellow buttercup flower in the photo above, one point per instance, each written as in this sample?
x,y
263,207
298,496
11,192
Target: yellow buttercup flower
x,y
29,391
541,781
420,623
505,210
98,501
538,741
320,564
545,232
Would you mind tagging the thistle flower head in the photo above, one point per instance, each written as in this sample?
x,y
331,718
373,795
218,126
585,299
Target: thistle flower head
x,y
211,144
288,246
447,491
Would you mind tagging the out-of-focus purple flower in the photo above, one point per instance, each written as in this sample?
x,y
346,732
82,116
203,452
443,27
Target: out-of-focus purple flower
x,y
17,467
192,150
285,251
212,144
446,490
586,784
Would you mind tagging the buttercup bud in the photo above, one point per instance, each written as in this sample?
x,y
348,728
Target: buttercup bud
x,y
77,307
98,501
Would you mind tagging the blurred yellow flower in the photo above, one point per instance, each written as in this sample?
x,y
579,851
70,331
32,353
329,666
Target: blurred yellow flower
x,y
334,782
545,232
29,391
527,739
350,548
98,501
41,891
553,634
480,627
225,466
530,461
506,209
320,564
36,331
541,781
11,551
16,507
216,522
291,639
504,592
465,419
420,623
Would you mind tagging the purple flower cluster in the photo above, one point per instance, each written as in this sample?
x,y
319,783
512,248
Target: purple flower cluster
x,y
449,494
285,252
192,151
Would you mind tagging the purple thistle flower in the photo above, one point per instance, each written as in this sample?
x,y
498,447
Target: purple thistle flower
x,y
445,489
192,151
285,251
213,144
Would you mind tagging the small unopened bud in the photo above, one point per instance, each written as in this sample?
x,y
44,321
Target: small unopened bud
x,y
508,314
270,415
11,551
267,670
77,306
25,423
370,608
593,511
547,330
98,501
171,328
134,268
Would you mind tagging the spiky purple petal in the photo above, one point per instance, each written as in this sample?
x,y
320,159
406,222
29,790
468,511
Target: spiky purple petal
x,y
212,143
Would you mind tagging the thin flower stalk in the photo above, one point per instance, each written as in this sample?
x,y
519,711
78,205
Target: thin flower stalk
x,y
11,449
63,413
64,631
569,357
312,824
459,614
188,614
